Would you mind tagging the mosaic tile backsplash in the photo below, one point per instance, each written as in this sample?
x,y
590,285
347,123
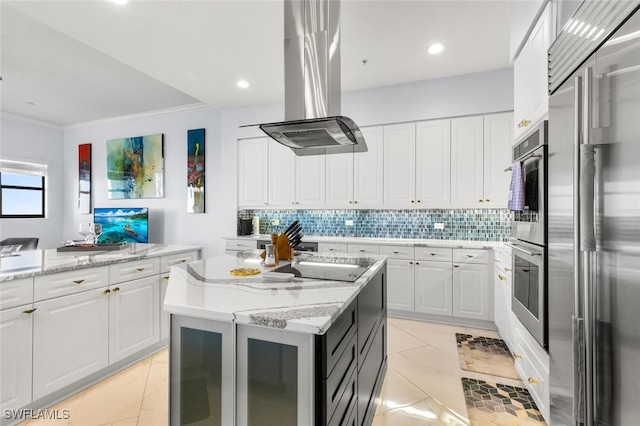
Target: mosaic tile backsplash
x,y
459,224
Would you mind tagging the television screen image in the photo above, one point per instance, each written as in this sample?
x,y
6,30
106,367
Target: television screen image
x,y
122,224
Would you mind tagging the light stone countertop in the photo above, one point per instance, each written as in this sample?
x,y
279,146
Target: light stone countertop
x,y
386,241
41,262
205,289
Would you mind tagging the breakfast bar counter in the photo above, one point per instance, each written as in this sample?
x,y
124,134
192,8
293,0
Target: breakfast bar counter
x,y
248,350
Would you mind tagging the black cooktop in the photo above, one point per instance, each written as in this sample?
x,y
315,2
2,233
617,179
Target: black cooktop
x,y
325,271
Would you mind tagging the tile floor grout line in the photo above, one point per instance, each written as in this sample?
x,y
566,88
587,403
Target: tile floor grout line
x,y
144,392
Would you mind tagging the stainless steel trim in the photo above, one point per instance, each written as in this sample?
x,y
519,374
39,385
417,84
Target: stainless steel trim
x,y
525,158
520,249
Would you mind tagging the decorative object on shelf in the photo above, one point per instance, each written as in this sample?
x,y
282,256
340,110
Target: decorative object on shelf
x,y
195,171
84,178
135,167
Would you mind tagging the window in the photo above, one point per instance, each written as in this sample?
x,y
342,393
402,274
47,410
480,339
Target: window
x,y
22,189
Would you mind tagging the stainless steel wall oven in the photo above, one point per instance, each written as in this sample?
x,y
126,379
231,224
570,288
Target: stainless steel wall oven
x,y
529,236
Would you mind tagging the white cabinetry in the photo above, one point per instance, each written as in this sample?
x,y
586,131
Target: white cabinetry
x,y
70,339
355,179
252,172
532,363
164,316
433,287
294,180
498,137
417,164
503,316
467,153
332,247
531,95
472,294
134,320
400,277
16,328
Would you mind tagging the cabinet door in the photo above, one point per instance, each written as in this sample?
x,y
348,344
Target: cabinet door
x,y
310,181
134,318
253,175
400,285
340,180
502,306
433,163
282,174
539,42
521,89
15,357
164,316
400,165
70,340
497,157
368,181
467,161
471,291
433,287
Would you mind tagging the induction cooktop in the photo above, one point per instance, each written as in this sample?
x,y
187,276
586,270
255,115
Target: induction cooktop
x,y
325,270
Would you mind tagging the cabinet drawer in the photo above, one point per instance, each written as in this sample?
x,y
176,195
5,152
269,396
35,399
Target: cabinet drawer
x,y
239,245
369,369
364,248
64,283
502,258
332,247
340,379
502,277
397,252
471,256
533,374
333,343
440,254
15,293
166,262
133,270
345,411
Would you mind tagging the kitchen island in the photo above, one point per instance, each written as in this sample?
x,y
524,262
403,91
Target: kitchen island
x,y
251,351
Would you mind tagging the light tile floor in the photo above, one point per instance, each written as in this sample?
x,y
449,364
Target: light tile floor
x,y
422,385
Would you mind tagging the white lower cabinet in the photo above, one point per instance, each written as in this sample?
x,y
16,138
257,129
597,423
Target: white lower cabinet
x,y
164,316
471,291
134,320
70,339
433,287
400,284
15,357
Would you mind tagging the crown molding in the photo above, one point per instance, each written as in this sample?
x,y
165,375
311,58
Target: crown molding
x,y
26,120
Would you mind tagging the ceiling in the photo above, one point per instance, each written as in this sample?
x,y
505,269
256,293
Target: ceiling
x,y
67,62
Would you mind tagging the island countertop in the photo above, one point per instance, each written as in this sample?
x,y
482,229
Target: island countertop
x,y
41,262
205,289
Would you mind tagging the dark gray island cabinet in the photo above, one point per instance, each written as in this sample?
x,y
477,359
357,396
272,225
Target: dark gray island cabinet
x,y
260,367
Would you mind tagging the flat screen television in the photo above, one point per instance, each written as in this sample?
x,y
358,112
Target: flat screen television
x,y
122,224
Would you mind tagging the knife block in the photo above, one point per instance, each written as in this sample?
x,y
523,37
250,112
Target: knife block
x,y
282,247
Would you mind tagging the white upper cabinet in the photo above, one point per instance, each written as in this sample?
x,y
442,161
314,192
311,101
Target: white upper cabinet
x,y
531,96
354,180
310,181
282,174
399,165
467,161
498,134
368,168
252,172
433,163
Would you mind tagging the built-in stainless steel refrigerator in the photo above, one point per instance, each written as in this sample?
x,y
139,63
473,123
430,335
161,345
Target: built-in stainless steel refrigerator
x,y
594,220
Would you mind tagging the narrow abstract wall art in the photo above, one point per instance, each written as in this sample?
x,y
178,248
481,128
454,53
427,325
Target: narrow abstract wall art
x,y
84,178
195,171
135,167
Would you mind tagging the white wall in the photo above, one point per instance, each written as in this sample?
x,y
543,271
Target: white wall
x,y
169,221
22,140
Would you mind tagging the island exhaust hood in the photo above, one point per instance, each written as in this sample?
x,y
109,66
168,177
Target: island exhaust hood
x,y
313,123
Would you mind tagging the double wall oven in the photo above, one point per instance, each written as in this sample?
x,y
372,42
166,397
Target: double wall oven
x,y
529,236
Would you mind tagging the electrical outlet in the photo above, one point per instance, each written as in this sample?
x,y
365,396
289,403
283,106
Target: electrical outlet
x,y
275,222
348,222
438,225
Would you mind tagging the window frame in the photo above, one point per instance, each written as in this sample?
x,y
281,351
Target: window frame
x,y
42,189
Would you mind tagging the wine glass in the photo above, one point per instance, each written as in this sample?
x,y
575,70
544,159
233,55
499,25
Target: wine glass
x,y
85,230
97,231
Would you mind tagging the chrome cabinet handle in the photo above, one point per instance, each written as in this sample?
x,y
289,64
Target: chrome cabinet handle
x,y
78,281
29,311
515,247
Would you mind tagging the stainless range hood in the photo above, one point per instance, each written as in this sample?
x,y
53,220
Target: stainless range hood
x,y
313,123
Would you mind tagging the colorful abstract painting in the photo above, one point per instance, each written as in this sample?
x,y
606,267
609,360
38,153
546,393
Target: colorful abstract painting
x,y
135,167
195,171
84,178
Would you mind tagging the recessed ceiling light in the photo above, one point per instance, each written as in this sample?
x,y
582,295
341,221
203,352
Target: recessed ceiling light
x,y
121,2
243,84
436,48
